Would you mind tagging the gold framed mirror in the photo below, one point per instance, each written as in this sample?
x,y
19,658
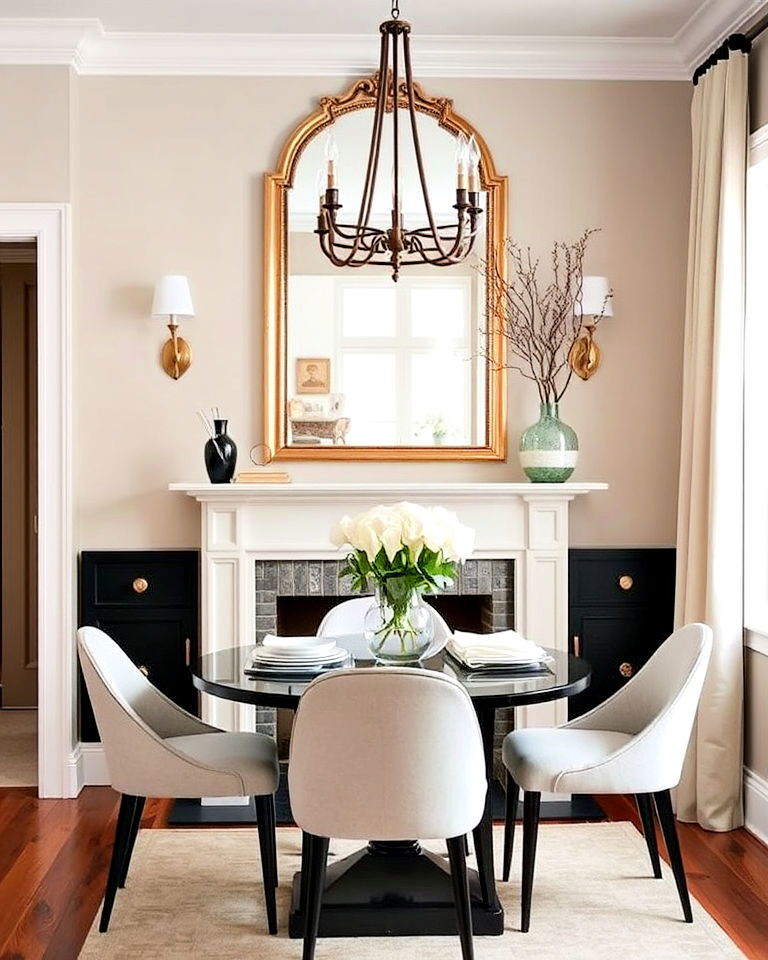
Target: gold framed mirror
x,y
357,367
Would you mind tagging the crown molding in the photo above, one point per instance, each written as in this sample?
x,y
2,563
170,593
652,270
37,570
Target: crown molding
x,y
711,24
84,45
35,42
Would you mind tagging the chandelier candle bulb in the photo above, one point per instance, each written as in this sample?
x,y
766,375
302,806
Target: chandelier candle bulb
x,y
331,156
474,166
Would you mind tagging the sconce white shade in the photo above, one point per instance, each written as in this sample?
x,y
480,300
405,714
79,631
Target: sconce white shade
x,y
172,297
594,290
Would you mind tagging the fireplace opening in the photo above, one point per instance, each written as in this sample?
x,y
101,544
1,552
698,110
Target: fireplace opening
x,y
293,596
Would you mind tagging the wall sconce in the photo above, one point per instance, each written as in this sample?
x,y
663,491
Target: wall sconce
x,y
595,303
173,301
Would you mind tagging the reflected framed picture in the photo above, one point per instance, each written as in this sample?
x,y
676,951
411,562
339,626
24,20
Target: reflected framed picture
x,y
313,375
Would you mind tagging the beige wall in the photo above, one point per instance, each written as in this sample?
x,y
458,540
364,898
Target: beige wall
x,y
34,133
168,178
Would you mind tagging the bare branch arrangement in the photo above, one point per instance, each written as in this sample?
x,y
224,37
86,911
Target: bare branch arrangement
x,y
539,323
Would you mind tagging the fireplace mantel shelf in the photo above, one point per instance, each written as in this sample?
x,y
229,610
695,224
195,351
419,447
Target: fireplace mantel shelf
x,y
239,492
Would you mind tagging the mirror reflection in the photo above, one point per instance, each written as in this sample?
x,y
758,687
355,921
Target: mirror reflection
x,y
370,362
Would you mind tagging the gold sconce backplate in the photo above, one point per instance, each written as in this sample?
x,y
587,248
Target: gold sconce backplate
x,y
176,357
584,355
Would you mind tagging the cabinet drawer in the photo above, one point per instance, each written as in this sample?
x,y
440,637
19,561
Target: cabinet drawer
x,y
623,577
616,644
161,644
127,581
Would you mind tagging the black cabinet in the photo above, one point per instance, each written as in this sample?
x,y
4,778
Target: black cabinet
x,y
147,601
621,608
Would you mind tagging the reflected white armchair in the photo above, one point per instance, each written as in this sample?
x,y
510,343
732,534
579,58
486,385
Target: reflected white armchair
x,y
634,742
154,748
385,753
347,617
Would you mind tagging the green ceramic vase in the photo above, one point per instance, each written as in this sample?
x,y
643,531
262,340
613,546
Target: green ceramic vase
x,y
549,449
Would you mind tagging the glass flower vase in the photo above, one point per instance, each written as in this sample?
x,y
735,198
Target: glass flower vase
x,y
398,629
549,449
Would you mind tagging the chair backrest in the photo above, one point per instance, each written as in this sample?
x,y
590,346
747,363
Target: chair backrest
x,y
347,617
386,753
658,705
133,718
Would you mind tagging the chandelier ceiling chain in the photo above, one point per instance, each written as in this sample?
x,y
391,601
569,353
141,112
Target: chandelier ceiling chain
x,y
360,244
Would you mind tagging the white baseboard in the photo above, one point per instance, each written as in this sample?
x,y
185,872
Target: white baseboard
x,y
756,804
73,777
93,765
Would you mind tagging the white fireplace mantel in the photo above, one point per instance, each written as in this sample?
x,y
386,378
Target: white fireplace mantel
x,y
523,522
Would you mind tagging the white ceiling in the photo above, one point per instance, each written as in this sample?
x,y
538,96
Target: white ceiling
x,y
566,39
553,18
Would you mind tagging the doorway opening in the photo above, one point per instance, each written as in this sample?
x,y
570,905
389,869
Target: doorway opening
x,y
18,514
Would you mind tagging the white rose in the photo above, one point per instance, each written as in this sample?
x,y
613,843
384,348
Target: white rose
x,y
364,536
413,520
341,531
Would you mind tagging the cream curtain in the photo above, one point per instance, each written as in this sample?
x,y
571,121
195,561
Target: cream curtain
x,y
710,503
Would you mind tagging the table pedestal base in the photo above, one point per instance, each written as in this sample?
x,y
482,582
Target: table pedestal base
x,y
392,890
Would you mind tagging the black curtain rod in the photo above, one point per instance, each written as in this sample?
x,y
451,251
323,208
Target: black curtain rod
x,y
736,41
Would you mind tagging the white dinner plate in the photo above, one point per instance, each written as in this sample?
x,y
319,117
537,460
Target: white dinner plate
x,y
274,658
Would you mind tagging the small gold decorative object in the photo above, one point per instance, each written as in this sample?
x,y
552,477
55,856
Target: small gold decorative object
x,y
140,585
626,582
626,669
261,456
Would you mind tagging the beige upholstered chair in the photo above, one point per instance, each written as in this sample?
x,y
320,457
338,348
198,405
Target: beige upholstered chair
x,y
347,617
635,742
154,748
386,753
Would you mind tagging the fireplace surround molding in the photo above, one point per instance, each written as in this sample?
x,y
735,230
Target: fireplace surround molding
x,y
526,523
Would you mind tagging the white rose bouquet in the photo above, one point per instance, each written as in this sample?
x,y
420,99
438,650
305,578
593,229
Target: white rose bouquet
x,y
405,551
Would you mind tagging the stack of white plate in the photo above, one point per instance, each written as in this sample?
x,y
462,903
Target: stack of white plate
x,y
296,655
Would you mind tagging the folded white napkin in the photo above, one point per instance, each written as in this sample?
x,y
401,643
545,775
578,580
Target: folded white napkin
x,y
508,646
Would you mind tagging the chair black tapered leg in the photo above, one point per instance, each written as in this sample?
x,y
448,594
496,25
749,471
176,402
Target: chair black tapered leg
x,y
138,810
460,881
645,809
272,824
267,844
122,838
669,829
306,857
316,875
531,806
513,795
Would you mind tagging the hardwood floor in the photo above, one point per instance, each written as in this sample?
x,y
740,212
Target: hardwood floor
x,y
54,856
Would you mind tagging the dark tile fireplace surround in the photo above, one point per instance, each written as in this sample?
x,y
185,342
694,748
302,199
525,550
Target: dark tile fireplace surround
x,y
292,596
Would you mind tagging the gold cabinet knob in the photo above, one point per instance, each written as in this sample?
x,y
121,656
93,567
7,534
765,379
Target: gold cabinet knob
x,y
626,582
144,669
626,669
139,585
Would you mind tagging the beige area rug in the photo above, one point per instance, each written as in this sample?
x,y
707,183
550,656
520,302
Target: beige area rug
x,y
197,894
18,748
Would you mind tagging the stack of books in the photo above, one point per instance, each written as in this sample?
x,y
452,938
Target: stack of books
x,y
295,657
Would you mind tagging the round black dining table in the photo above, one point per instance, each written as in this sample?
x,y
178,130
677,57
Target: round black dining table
x,y
391,889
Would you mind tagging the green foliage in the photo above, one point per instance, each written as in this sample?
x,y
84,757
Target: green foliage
x,y
402,576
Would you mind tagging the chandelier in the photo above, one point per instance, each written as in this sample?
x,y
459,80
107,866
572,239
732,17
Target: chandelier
x,y
359,244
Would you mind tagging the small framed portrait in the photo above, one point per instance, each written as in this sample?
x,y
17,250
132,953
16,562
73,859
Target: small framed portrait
x,y
313,375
